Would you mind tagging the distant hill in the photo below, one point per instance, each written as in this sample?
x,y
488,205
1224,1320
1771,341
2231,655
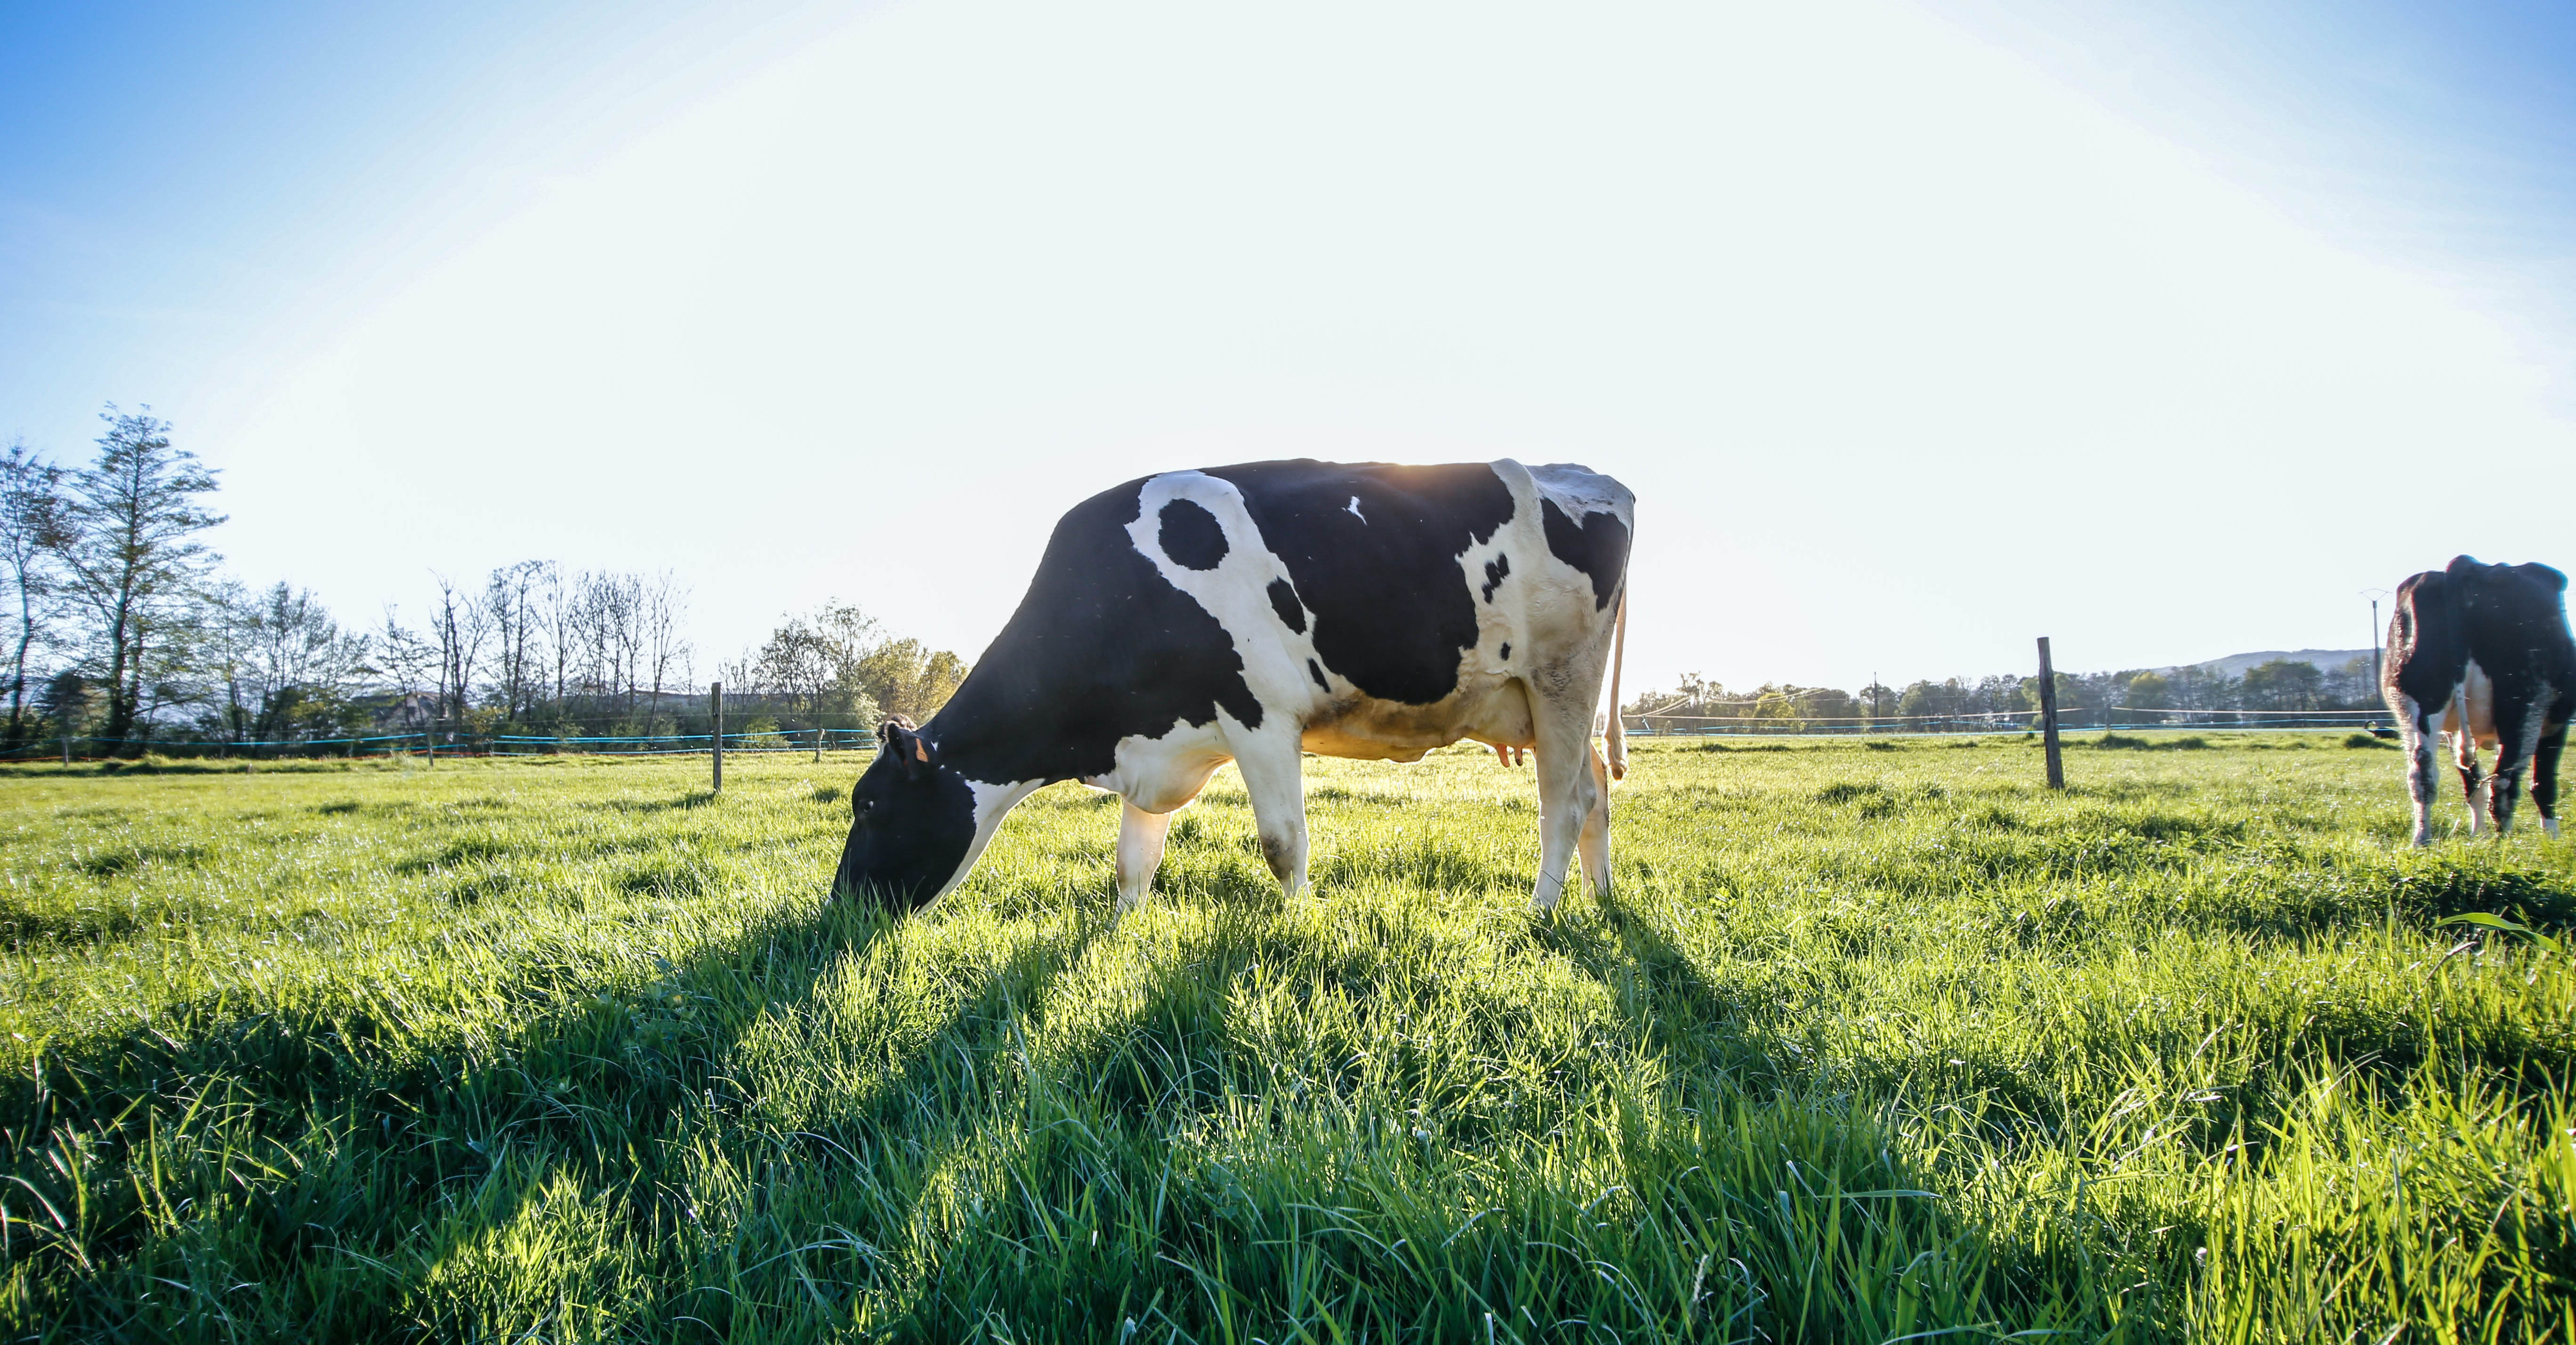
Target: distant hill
x,y
2234,665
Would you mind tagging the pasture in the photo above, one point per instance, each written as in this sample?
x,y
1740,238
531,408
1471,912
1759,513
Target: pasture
x,y
1876,1042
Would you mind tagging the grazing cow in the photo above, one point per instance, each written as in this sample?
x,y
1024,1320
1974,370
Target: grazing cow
x,y
2482,653
1255,612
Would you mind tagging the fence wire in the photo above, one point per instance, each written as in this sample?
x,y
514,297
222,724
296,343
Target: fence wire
x,y
437,743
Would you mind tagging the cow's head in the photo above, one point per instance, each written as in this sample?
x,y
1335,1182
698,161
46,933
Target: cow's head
x,y
912,823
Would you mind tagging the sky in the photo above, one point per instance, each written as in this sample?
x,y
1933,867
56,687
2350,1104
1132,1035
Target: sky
x,y
1919,329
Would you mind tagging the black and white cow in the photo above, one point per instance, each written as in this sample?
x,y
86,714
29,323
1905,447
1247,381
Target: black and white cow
x,y
1252,613
2482,653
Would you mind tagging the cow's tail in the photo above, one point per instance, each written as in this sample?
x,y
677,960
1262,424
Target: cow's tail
x,y
1618,735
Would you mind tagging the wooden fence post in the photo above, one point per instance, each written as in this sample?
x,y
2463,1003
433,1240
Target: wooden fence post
x,y
715,739
2048,716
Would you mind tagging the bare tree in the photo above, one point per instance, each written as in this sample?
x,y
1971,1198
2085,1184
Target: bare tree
x,y
459,628
664,607
131,554
226,656
559,612
408,662
32,529
609,627
510,597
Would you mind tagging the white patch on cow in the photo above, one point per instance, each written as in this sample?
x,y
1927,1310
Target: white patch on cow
x,y
991,802
2469,722
1161,773
1354,507
1578,490
1236,592
2476,701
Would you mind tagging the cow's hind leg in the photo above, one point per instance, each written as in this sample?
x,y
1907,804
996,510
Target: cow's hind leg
x,y
2544,774
1594,843
1567,795
2418,734
1140,852
2517,729
1274,774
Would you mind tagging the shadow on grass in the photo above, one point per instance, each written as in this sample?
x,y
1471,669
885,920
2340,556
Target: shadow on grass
x,y
295,1163
696,798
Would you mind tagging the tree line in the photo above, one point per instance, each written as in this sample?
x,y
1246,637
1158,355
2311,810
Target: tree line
x,y
2275,685
127,635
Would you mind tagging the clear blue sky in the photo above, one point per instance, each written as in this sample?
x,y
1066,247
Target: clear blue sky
x,y
2229,311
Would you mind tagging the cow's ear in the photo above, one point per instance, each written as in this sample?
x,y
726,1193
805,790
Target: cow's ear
x,y
898,736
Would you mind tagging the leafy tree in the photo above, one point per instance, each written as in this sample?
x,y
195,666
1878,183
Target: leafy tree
x,y
2283,684
131,556
32,530
72,702
818,661
288,670
909,678
2148,691
2351,686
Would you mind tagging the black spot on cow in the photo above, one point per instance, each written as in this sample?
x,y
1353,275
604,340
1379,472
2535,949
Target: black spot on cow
x,y
1283,600
1507,650
1316,670
1393,643
1191,535
1598,547
1495,569
1068,676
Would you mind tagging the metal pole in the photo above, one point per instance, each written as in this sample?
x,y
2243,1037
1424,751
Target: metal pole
x,y
2048,716
715,739
2374,644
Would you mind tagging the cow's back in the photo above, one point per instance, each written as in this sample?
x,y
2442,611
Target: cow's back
x,y
2513,623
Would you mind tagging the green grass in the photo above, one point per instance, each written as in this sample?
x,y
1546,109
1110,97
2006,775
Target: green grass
x,y
1877,1041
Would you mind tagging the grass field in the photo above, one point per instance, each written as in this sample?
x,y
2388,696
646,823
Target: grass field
x,y
1875,1042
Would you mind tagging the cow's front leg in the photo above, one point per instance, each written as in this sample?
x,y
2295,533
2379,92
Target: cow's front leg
x,y
1274,775
1140,852
2464,755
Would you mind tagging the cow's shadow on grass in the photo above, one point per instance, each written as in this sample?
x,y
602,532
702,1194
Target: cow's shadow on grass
x,y
1712,1033
218,1149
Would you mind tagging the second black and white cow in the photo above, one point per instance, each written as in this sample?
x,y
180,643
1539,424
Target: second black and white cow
x,y
1252,613
2482,653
